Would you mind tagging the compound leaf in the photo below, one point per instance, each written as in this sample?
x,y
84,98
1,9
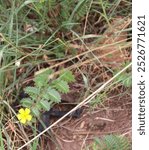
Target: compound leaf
x,y
42,78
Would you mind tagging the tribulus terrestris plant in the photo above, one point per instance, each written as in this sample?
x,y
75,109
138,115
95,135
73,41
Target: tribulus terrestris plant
x,y
45,92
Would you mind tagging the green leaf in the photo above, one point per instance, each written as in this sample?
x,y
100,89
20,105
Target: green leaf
x,y
46,96
45,105
125,79
32,90
61,86
2,140
52,3
54,95
67,76
128,81
42,78
27,102
44,93
26,3
39,107
76,9
35,111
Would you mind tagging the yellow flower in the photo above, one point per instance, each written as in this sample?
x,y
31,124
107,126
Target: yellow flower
x,y
24,115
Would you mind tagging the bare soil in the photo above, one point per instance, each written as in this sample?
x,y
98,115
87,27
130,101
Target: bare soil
x,y
114,117
75,134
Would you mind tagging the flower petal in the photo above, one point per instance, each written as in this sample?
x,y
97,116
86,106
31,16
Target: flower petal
x,y
29,117
27,111
21,111
23,120
19,116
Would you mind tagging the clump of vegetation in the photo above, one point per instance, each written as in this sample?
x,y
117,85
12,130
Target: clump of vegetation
x,y
125,78
110,142
98,100
45,93
64,15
